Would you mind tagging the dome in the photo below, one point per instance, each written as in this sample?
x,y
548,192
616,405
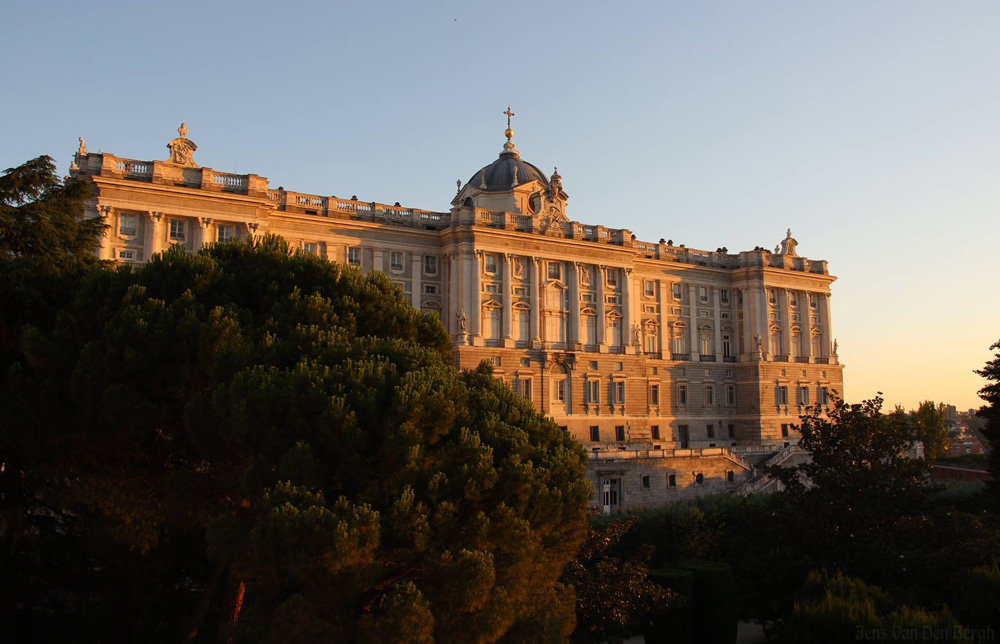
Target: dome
x,y
499,175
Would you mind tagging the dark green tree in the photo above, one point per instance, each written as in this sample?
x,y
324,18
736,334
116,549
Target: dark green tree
x,y
44,242
990,413
931,429
260,446
615,598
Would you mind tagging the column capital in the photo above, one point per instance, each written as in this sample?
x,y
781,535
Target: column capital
x,y
628,270
205,222
105,211
508,256
155,215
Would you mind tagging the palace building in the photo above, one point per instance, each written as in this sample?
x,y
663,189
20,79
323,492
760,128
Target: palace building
x,y
679,370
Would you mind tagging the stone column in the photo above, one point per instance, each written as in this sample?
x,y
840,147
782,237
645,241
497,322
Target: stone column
x,y
664,339
602,322
506,323
762,320
749,346
453,304
573,307
627,319
534,282
807,325
475,299
785,311
202,226
717,322
417,267
153,241
694,344
826,325
107,215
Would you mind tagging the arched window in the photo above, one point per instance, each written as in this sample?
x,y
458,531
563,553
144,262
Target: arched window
x,y
679,339
817,345
589,326
705,338
651,339
615,328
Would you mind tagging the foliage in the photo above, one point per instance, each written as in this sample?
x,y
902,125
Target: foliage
x,y
271,447
44,243
614,598
990,412
674,626
714,606
980,604
858,461
930,427
839,608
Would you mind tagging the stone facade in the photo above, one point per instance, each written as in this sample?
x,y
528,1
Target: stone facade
x,y
657,357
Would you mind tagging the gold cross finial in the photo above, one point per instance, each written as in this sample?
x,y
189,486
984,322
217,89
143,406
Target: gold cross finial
x,y
509,133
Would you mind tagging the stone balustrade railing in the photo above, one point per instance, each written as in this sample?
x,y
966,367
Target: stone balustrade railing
x,y
255,185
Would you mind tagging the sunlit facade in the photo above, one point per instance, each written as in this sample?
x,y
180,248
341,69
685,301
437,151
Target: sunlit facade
x,y
676,368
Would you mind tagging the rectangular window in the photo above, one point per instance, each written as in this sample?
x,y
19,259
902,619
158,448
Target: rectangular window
x,y
724,296
709,395
587,297
618,387
620,433
430,264
803,395
595,434
730,477
710,430
524,387
823,396
177,230
521,291
772,296
649,288
555,270
495,361
812,300
559,391
682,395
490,288
491,263
525,362
781,395
224,234
784,430
592,392
727,346
655,432
732,430
671,480
126,224
126,255
612,277
309,248
677,291
702,293
654,394
731,395
645,481
395,261
354,256
430,289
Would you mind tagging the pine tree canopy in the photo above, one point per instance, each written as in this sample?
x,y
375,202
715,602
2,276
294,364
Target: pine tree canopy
x,y
263,446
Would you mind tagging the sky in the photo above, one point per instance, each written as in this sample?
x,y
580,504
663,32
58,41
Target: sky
x,y
871,129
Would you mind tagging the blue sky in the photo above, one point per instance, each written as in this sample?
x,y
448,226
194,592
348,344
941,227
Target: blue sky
x,y
871,129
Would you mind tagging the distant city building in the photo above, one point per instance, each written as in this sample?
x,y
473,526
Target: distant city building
x,y
676,368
